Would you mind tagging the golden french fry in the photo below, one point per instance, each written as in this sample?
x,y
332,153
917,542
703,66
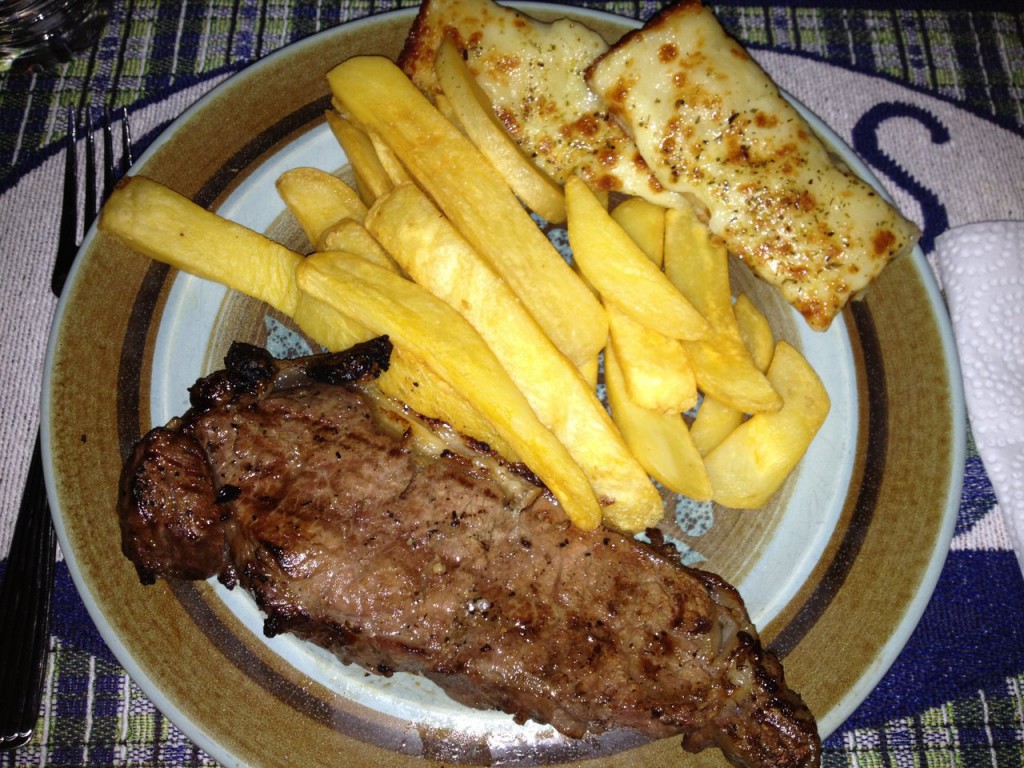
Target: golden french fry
x,y
444,106
407,379
751,464
473,111
163,225
660,441
371,177
655,368
621,272
724,371
437,257
715,419
755,330
350,235
390,304
699,268
713,423
391,163
318,199
644,222
168,227
465,186
591,372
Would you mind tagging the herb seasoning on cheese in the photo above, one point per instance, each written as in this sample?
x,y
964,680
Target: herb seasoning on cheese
x,y
714,128
533,73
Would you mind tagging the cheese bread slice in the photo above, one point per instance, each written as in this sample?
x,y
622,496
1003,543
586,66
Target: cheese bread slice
x,y
713,127
533,73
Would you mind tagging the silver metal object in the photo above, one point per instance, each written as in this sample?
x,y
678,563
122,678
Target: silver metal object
x,y
26,592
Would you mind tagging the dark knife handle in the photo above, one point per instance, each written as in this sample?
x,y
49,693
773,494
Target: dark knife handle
x,y
25,598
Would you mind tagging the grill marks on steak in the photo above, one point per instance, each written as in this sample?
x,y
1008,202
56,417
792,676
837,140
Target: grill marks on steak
x,y
396,558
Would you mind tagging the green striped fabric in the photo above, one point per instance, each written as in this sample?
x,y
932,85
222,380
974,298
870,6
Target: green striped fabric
x,y
150,49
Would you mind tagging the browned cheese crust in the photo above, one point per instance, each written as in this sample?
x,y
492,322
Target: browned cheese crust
x,y
714,128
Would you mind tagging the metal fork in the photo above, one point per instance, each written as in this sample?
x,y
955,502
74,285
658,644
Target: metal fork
x,y
26,593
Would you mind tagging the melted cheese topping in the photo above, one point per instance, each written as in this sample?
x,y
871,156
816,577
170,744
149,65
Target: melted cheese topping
x,y
713,127
533,73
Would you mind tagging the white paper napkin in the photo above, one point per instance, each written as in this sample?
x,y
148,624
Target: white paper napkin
x,y
982,271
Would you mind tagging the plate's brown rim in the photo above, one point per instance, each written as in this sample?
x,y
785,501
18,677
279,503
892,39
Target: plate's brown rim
x,y
787,637
193,598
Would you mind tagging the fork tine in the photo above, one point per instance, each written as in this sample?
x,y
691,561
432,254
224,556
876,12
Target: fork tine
x,y
91,206
126,142
110,168
68,239
115,167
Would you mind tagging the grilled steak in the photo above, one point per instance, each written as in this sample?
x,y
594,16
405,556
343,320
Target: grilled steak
x,y
291,479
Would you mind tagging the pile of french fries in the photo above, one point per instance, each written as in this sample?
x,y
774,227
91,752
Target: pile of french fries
x,y
493,331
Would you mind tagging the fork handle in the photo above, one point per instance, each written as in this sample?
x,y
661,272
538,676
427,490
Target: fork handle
x,y
25,611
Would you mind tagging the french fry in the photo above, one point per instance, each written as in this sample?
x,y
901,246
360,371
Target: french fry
x,y
318,199
699,268
465,186
752,463
437,257
713,423
444,106
591,372
755,330
407,379
159,223
412,317
621,272
655,368
391,163
371,176
715,419
644,222
660,441
472,109
349,235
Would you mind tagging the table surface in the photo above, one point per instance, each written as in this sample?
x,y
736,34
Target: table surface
x,y
955,696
